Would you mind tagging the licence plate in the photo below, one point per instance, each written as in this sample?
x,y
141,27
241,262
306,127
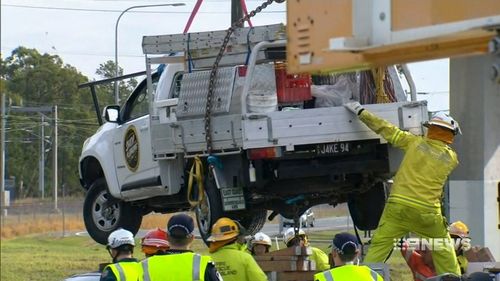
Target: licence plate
x,y
337,148
233,199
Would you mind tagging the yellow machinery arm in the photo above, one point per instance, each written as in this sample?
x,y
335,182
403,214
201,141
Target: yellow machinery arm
x,y
341,35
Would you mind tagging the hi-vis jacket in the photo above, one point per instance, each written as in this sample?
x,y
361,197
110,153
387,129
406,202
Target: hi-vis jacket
x,y
184,266
348,272
236,265
320,258
425,167
125,270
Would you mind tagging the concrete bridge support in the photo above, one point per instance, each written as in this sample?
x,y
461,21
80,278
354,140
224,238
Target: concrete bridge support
x,y
475,184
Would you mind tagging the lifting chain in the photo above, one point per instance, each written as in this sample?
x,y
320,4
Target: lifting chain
x,y
213,72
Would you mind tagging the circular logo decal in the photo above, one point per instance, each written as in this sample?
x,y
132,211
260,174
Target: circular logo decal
x,y
131,149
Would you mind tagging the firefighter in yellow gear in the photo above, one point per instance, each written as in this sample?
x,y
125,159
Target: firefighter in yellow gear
x,y
232,263
459,232
124,268
179,262
414,204
318,256
345,250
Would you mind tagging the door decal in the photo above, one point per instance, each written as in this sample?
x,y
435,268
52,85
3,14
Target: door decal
x,y
131,149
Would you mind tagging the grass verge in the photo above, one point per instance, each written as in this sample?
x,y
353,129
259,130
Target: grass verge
x,y
44,257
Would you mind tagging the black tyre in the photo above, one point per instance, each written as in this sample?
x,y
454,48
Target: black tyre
x,y
366,208
104,214
209,209
253,221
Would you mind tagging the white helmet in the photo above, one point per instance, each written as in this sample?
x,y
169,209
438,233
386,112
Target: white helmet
x,y
290,234
444,120
120,237
261,238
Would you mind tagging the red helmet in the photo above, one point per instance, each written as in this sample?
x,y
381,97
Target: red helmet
x,y
155,238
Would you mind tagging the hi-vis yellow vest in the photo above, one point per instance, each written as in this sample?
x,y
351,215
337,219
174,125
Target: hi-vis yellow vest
x,y
347,273
425,167
185,266
126,271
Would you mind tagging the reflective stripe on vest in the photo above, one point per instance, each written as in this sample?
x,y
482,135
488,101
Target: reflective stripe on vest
x,y
125,270
120,271
145,270
196,267
374,275
328,275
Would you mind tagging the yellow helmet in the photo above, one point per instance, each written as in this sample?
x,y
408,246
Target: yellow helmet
x,y
459,228
224,229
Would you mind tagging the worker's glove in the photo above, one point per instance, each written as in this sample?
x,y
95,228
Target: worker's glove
x,y
355,107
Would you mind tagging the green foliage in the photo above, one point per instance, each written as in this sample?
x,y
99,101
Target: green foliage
x,y
31,79
106,92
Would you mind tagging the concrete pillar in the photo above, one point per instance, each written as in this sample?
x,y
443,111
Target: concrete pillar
x,y
475,184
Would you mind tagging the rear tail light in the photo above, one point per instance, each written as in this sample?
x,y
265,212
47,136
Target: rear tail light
x,y
264,153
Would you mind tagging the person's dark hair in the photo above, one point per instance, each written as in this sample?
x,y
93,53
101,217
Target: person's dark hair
x,y
347,257
125,249
179,241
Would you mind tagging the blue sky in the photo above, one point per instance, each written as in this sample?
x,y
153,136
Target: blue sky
x,y
82,32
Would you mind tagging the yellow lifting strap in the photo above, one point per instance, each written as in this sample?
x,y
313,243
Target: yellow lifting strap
x,y
196,173
379,76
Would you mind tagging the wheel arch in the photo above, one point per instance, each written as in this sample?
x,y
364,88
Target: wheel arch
x,y
92,168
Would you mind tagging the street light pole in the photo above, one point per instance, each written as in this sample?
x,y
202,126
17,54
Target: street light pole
x,y
117,83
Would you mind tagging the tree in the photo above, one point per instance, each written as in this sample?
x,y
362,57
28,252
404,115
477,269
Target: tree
x,y
106,92
33,79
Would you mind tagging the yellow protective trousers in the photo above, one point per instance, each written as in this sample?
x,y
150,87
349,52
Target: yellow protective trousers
x,y
398,220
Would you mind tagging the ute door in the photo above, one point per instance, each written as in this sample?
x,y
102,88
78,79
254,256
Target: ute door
x,y
135,167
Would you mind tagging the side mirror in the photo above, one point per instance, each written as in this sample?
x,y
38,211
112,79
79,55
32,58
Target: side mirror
x,y
112,113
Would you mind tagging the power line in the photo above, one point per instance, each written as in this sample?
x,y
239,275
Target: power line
x,y
119,11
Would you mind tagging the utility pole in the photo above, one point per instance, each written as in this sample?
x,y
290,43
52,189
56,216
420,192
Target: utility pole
x,y
2,157
54,160
40,110
41,164
236,11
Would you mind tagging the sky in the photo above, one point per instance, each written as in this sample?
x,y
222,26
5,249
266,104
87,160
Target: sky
x,y
82,33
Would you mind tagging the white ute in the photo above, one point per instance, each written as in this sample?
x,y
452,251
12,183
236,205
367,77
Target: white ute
x,y
273,147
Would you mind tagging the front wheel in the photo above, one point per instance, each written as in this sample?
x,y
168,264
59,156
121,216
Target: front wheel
x,y
104,214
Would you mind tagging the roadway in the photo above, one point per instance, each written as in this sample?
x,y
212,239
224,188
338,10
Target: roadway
x,y
273,229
